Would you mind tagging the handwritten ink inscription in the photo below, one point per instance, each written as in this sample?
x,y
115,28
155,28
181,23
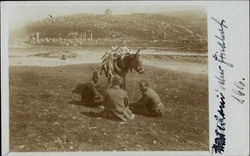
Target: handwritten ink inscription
x,y
238,91
221,78
220,57
220,140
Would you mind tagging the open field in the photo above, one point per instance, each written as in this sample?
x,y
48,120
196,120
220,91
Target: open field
x,y
43,116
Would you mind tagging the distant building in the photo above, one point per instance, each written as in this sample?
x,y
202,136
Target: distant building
x,y
108,12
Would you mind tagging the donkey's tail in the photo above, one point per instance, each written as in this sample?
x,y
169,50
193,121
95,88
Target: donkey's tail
x,y
95,67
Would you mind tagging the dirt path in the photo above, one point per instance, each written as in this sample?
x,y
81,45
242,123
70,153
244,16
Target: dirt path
x,y
17,58
196,68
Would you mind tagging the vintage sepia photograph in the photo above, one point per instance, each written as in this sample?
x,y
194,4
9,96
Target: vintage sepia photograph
x,y
91,78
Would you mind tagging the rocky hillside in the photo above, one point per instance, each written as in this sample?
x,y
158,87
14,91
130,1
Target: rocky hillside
x,y
180,30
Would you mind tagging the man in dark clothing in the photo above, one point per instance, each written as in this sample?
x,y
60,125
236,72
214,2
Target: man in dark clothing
x,y
150,102
90,94
116,102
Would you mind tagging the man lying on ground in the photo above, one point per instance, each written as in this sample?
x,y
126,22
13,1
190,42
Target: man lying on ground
x,y
90,94
150,102
116,102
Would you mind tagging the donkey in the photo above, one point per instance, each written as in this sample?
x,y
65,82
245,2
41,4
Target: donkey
x,y
121,66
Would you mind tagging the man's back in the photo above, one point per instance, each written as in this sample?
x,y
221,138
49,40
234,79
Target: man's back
x,y
153,97
116,101
88,91
116,98
153,103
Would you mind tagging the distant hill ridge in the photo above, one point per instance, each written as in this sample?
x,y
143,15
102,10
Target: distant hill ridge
x,y
185,26
136,25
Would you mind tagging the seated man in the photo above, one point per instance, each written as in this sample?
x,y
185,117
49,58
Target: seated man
x,y
89,92
150,102
116,102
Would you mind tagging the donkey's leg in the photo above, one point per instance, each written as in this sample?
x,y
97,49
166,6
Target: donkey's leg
x,y
124,82
110,81
101,71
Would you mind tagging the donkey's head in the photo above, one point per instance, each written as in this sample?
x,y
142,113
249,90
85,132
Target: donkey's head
x,y
136,63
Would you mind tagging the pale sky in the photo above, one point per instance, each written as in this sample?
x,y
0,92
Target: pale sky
x,y
21,14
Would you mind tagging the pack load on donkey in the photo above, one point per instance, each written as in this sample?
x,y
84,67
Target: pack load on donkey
x,y
119,61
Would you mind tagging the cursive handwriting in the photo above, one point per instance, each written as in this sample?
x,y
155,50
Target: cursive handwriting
x,y
222,105
220,58
220,140
221,78
238,91
220,55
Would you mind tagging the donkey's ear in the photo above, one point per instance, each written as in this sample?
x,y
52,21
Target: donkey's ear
x,y
138,51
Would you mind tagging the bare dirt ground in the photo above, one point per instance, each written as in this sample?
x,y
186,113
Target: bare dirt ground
x,y
185,62
44,117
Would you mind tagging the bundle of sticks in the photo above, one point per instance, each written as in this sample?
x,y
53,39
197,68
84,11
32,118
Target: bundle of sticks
x,y
116,52
111,55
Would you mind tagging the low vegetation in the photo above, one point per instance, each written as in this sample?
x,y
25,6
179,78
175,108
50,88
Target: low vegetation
x,y
44,116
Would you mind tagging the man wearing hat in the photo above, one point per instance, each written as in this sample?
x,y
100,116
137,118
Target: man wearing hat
x,y
116,102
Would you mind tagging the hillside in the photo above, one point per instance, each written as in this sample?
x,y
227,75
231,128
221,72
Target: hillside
x,y
179,31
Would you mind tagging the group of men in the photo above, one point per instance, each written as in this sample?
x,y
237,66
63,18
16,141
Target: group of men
x,y
116,101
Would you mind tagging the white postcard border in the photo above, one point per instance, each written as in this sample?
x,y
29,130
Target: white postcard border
x,y
237,19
